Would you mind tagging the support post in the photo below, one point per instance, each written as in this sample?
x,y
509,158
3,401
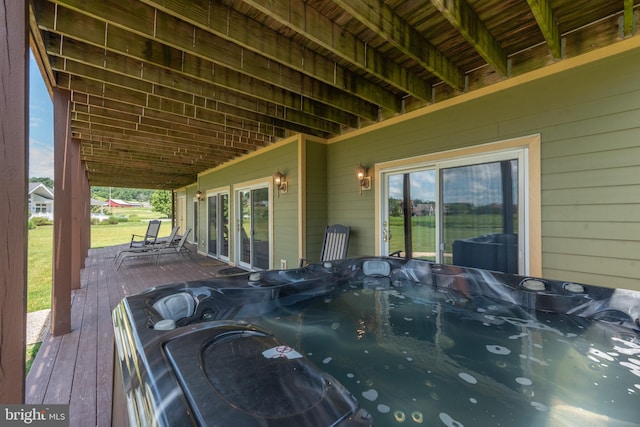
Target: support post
x,y
62,236
76,212
14,167
86,227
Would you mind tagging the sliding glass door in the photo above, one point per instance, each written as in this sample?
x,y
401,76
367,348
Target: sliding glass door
x,y
253,228
467,211
218,227
480,215
409,225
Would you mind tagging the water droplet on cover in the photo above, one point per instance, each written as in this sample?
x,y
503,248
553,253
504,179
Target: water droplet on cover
x,y
383,408
448,421
370,395
468,378
498,349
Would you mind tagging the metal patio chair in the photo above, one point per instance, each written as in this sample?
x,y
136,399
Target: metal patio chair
x,y
169,248
149,237
173,237
160,243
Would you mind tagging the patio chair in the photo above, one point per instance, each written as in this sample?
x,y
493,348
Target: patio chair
x,y
159,244
334,244
169,248
149,237
175,248
172,237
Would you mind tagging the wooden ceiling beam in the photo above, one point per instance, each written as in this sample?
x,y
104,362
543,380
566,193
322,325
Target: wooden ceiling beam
x,y
299,16
112,150
380,18
241,30
94,92
124,175
160,82
240,144
114,68
84,102
182,47
197,144
547,23
137,163
467,23
629,24
158,142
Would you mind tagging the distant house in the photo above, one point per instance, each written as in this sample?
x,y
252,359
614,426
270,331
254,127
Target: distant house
x,y
424,209
117,203
40,200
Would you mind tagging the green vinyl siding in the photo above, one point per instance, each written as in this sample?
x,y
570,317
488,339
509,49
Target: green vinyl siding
x,y
316,198
589,122
620,213
346,205
285,212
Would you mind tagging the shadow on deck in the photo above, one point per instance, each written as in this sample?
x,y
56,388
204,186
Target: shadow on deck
x,y
77,368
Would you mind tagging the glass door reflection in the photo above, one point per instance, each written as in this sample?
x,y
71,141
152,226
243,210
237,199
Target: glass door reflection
x,y
409,223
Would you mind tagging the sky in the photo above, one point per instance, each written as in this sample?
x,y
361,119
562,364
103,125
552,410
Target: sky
x,y
40,125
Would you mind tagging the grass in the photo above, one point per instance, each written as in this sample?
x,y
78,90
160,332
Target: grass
x,y
459,226
40,259
32,350
39,268
117,234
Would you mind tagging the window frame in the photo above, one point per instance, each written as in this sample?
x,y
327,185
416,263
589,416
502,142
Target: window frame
x,y
528,181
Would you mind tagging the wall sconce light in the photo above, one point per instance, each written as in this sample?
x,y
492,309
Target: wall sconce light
x,y
280,182
199,195
363,179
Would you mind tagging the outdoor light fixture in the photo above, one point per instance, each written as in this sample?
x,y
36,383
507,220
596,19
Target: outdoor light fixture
x,y
199,195
280,182
363,179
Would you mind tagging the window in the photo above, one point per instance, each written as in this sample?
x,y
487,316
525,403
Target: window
x,y
218,225
41,208
253,231
470,210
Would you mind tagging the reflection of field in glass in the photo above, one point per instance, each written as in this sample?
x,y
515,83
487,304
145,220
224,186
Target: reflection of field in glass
x,y
423,235
261,223
460,226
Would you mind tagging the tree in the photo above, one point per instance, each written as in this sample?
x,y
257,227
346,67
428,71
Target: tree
x,y
48,182
128,194
161,202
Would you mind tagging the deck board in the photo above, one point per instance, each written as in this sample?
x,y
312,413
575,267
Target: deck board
x,y
84,381
77,368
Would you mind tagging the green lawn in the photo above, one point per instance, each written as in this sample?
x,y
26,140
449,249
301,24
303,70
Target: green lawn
x,y
458,226
39,276
32,351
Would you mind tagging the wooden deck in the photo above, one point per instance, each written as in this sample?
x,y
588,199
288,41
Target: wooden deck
x,y
77,368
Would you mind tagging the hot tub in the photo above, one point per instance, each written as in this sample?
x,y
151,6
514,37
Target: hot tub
x,y
379,340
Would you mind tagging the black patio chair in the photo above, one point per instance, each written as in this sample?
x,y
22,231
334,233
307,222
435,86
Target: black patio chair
x,y
170,248
149,237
